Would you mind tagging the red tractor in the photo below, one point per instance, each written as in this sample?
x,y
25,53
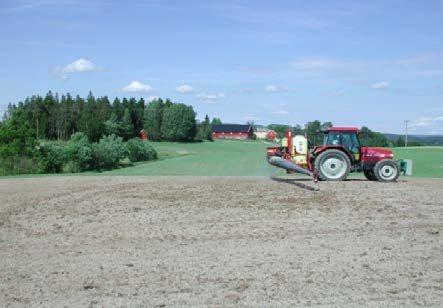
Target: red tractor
x,y
340,154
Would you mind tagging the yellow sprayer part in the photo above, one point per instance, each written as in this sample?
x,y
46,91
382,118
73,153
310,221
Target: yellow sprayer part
x,y
284,142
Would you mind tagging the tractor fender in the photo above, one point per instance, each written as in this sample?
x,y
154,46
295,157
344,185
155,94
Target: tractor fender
x,y
320,149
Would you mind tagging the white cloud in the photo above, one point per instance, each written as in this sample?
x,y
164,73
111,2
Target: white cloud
x,y
184,89
207,97
417,60
242,92
286,17
281,112
427,125
210,98
271,88
138,87
56,6
251,118
380,85
426,121
78,66
321,64
315,63
328,65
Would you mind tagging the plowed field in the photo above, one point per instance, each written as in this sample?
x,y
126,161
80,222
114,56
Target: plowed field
x,y
220,241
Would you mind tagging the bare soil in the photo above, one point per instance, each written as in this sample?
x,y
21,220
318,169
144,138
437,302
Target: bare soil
x,y
220,241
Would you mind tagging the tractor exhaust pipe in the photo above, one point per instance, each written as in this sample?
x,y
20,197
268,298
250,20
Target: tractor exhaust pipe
x,y
287,165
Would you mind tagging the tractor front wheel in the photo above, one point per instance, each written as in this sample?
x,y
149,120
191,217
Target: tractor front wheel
x,y
386,171
332,165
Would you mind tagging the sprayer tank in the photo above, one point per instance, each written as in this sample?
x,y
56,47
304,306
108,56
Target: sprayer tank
x,y
300,150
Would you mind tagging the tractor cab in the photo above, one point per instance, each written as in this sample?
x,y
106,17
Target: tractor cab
x,y
343,137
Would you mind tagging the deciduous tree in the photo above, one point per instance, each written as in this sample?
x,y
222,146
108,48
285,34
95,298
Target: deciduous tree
x,y
153,117
179,123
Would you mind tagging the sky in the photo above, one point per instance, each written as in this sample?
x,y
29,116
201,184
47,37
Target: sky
x,y
354,63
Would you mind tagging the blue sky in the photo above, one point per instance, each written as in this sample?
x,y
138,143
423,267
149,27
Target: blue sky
x,y
355,63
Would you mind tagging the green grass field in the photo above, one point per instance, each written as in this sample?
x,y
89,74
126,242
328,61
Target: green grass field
x,y
218,158
427,161
247,158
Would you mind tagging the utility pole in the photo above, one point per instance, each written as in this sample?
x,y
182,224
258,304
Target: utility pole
x,y
406,133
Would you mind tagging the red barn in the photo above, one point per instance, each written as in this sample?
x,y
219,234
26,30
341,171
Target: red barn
x,y
143,135
271,135
232,131
265,133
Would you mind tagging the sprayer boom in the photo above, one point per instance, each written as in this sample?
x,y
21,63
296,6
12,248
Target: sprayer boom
x,y
288,165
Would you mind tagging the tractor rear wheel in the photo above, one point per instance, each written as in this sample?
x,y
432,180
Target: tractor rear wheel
x,y
386,171
332,165
370,175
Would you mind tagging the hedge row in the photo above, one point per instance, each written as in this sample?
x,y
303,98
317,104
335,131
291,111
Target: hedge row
x,y
78,154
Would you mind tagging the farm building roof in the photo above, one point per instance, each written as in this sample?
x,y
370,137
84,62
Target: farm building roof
x,y
262,129
227,128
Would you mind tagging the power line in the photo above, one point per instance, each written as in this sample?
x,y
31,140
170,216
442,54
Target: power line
x,y
406,133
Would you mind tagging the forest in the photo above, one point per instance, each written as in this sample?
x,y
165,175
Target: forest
x,y
56,118
54,134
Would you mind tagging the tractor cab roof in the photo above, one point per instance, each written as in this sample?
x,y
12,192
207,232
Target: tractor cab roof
x,y
343,129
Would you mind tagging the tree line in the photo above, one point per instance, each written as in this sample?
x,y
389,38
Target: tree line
x,y
54,134
21,152
55,117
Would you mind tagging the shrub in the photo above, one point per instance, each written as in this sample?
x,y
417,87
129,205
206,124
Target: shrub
x,y
79,153
108,152
17,164
50,158
152,152
17,143
140,150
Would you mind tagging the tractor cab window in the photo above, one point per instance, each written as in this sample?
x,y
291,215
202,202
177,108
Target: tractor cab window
x,y
332,139
347,139
351,142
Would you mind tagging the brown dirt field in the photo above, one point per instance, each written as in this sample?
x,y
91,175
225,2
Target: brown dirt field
x,y
219,241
